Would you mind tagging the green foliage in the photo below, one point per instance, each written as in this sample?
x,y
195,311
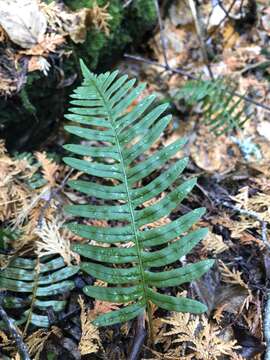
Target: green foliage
x,y
32,286
133,273
145,13
222,111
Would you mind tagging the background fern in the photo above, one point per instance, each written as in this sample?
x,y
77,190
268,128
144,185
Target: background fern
x,y
222,111
32,286
133,273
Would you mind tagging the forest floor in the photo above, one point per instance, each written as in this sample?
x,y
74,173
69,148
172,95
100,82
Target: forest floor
x,y
233,172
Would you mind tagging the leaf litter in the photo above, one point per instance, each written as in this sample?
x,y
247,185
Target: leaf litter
x,y
235,291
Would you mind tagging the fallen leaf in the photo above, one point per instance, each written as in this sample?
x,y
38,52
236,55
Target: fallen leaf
x,y
211,155
230,36
264,129
23,22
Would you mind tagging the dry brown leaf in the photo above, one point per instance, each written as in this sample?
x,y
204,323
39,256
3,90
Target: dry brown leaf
x,y
220,158
102,307
3,34
4,338
22,20
230,36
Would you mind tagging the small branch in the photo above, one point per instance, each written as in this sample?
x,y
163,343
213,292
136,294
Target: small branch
x,y
127,3
162,37
227,15
9,324
192,77
139,338
33,295
253,66
227,12
251,214
155,63
266,326
200,33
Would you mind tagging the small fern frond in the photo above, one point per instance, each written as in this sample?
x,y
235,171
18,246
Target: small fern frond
x,y
222,111
31,286
101,108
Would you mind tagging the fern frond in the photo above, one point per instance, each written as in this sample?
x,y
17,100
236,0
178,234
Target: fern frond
x,y
32,290
101,109
222,111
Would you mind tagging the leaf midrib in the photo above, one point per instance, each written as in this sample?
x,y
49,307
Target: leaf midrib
x,y
130,204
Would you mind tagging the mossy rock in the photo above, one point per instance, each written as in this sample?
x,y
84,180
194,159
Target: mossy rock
x,y
28,118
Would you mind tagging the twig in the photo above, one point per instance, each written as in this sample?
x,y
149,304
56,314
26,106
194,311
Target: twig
x,y
192,77
266,326
252,214
227,14
200,33
33,296
155,63
253,66
139,338
9,324
127,3
162,37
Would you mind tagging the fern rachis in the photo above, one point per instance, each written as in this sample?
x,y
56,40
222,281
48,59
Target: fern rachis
x,y
103,101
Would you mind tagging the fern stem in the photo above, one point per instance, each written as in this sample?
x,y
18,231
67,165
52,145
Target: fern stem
x,y
150,323
131,210
11,327
34,292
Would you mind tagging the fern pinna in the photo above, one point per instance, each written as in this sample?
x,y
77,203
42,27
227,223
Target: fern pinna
x,y
122,137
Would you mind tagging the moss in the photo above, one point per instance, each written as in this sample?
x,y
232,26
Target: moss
x,y
126,26
143,13
27,103
97,43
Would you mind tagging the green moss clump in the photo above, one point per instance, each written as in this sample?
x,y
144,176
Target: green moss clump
x,y
126,25
144,14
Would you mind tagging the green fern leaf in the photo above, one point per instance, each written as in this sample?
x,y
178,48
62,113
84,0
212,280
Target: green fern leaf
x,y
222,111
32,286
101,110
